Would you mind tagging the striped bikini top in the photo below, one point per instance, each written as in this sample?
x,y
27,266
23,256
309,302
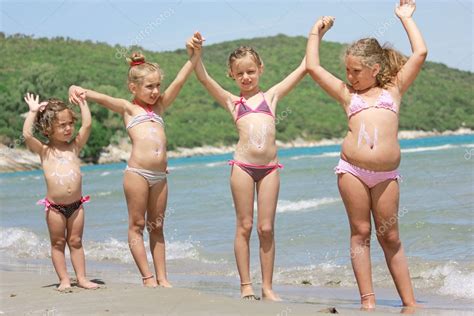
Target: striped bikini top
x,y
150,116
244,109
384,101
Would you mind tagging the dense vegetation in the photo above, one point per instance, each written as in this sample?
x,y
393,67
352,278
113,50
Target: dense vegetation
x,y
440,99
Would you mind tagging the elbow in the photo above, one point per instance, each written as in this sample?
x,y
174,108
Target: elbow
x,y
27,134
87,125
313,72
422,53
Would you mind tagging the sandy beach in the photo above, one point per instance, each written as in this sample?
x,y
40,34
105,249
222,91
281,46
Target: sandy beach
x,y
34,293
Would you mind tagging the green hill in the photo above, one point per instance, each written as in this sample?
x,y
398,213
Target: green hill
x,y
440,99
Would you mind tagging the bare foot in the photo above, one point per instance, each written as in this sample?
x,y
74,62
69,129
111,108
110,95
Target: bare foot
x,y
164,283
64,285
246,292
150,283
269,295
86,284
410,308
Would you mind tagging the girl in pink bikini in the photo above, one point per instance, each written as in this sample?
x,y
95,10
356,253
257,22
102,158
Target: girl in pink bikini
x,y
144,183
255,164
61,167
367,172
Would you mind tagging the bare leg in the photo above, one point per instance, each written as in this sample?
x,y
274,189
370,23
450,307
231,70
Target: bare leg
x,y
136,193
267,192
57,234
356,198
385,200
155,220
75,228
243,189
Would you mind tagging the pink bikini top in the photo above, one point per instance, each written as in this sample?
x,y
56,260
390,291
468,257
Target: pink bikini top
x,y
384,101
244,109
150,116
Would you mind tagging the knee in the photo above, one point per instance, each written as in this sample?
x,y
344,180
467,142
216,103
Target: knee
x,y
361,234
389,240
75,242
137,226
244,227
155,226
58,243
265,231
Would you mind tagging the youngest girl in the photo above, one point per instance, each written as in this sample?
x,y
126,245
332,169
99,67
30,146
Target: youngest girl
x,y
63,201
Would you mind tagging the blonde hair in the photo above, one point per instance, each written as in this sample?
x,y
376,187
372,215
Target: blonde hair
x,y
47,115
241,52
140,68
371,53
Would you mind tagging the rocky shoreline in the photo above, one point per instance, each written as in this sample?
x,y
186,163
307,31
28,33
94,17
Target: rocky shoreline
x,y
12,159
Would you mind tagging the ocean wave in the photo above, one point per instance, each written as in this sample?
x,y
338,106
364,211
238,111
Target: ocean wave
x,y
441,278
449,278
215,164
421,149
323,155
22,243
285,206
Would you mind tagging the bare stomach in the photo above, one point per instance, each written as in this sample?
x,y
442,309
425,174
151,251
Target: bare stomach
x,y
65,193
148,157
385,156
259,155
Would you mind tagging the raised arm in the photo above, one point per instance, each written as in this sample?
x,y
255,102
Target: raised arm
x,y
86,125
412,67
33,144
77,94
281,89
193,47
221,95
335,87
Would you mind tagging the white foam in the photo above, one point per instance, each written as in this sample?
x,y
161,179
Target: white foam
x,y
115,250
105,173
215,164
421,149
22,243
304,205
323,155
105,193
452,279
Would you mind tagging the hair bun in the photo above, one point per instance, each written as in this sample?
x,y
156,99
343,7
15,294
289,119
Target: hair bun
x,y
136,59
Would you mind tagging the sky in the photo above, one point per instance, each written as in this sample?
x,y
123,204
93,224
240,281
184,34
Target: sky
x,y
165,25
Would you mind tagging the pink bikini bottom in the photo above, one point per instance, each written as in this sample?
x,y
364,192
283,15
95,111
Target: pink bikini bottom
x,y
369,177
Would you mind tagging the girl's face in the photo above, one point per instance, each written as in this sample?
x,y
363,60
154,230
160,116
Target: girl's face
x,y
246,73
63,126
149,90
360,76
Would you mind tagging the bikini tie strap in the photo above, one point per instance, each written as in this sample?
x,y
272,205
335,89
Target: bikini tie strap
x,y
85,199
281,166
241,101
231,162
45,202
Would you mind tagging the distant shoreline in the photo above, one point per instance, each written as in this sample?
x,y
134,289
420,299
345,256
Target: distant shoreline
x,y
13,160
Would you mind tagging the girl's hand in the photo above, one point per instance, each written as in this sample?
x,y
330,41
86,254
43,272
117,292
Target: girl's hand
x,y
405,9
194,44
323,25
76,94
33,102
